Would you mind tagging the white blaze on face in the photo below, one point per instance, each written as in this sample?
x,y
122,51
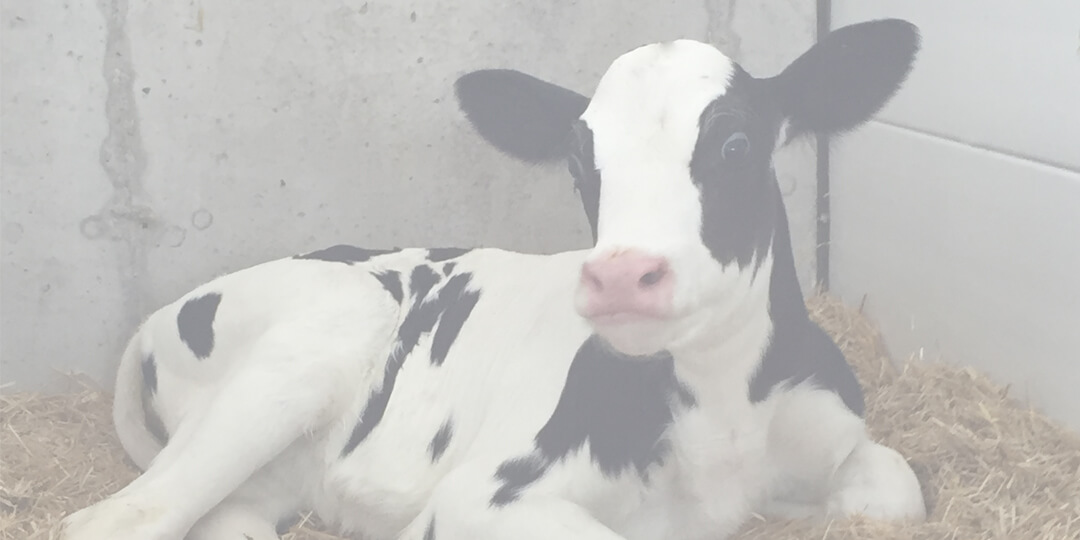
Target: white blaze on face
x,y
644,118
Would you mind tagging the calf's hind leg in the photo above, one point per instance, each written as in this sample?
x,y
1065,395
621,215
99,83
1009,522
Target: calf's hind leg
x,y
270,497
259,410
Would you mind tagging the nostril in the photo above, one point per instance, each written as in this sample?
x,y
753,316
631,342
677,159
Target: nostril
x,y
590,279
652,278
595,282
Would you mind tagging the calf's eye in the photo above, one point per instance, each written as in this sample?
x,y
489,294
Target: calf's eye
x,y
735,148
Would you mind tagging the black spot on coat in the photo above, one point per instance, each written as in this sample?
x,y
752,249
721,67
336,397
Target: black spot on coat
x,y
151,420
441,440
196,324
422,279
686,397
516,474
739,193
149,374
620,406
457,305
347,254
799,349
429,533
391,281
421,319
803,353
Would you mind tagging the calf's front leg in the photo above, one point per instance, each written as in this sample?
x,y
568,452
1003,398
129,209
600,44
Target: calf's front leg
x,y
461,508
876,481
829,467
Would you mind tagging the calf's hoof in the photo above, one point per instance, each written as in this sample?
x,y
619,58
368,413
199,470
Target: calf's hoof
x,y
877,482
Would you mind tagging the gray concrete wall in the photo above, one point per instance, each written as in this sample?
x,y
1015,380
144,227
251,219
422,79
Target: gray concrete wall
x,y
149,146
957,213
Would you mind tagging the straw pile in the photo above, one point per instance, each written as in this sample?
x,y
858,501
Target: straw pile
x,y
992,468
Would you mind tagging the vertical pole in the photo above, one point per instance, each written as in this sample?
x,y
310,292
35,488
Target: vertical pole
x,y
822,212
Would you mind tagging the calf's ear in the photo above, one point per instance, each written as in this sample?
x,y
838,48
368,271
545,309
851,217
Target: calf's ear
x,y
846,77
524,117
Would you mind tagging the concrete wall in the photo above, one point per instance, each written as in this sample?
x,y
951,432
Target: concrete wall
x,y
149,146
957,213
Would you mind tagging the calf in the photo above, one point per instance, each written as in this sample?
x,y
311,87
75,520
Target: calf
x,y
666,383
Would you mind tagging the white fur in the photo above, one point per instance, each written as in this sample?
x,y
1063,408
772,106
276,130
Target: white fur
x,y
301,343
258,427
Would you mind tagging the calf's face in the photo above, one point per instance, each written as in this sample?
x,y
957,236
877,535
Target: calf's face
x,y
680,153
672,157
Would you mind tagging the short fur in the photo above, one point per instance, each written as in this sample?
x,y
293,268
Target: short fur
x,y
456,394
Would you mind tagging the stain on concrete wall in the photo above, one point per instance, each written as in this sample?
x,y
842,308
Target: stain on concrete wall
x,y
150,146
126,219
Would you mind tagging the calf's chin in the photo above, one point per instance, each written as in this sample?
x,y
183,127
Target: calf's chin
x,y
638,339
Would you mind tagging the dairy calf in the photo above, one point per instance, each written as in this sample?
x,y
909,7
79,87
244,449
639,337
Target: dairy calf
x,y
665,384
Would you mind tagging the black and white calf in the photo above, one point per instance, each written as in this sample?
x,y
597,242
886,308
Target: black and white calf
x,y
664,384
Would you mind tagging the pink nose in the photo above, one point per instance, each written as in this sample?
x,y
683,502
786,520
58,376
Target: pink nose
x,y
628,283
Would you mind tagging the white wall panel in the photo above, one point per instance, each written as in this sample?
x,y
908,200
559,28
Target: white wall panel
x,y
963,254
1001,74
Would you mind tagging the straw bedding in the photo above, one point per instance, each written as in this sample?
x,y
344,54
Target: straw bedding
x,y
992,468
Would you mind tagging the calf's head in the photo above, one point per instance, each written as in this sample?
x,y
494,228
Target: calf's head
x,y
672,157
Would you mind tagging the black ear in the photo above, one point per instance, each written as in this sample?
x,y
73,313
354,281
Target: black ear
x,y
847,77
523,116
